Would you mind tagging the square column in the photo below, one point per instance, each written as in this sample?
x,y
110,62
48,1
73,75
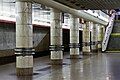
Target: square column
x,y
24,39
74,37
56,46
94,37
86,38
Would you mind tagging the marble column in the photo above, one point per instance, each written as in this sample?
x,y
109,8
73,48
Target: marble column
x,y
74,37
1,7
56,37
86,38
94,36
103,32
24,39
103,36
100,35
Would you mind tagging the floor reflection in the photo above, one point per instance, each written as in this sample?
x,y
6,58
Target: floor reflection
x,y
75,70
95,67
24,78
57,73
114,66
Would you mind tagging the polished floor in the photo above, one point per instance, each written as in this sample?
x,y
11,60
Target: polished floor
x,y
105,66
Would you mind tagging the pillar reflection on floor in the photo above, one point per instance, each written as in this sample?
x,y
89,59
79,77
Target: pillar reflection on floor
x,y
25,78
57,73
75,70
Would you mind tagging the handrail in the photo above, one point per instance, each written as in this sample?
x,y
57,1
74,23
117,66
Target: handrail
x,y
108,32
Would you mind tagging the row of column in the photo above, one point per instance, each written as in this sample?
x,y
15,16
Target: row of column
x,y
92,37
24,38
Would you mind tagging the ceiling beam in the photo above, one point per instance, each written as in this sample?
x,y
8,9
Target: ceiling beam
x,y
72,11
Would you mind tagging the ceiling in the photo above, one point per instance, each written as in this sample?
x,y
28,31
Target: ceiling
x,y
11,4
85,4
91,4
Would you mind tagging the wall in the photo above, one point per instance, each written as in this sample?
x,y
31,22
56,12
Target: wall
x,y
41,39
7,38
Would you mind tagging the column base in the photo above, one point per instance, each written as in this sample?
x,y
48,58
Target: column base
x,y
94,51
24,71
87,53
56,62
74,56
99,49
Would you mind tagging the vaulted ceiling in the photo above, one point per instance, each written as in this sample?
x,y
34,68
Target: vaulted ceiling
x,y
91,4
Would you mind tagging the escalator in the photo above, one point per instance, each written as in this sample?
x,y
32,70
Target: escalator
x,y
106,44
111,41
114,41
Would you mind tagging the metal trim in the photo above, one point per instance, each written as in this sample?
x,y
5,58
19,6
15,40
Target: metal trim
x,y
24,51
56,47
86,44
99,42
74,45
92,43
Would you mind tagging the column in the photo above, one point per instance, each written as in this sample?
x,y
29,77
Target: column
x,y
24,39
86,38
94,38
56,37
1,7
100,38
103,32
74,37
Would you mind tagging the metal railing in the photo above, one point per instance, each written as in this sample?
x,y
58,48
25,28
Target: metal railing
x,y
108,32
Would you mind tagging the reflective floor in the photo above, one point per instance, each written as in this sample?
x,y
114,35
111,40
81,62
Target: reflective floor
x,y
98,67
